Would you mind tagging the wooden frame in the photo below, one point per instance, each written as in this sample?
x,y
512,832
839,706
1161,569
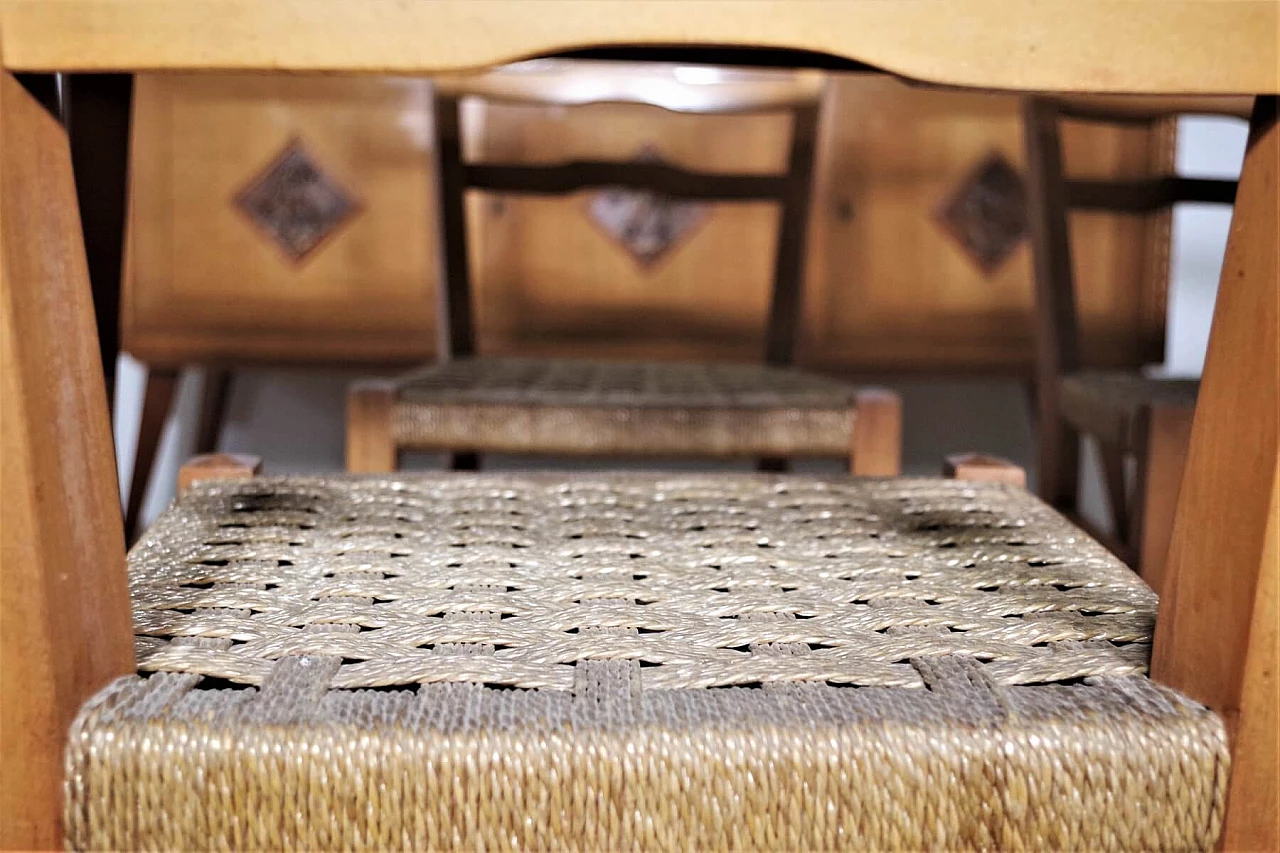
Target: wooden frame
x,y
1142,521
800,97
1216,636
65,622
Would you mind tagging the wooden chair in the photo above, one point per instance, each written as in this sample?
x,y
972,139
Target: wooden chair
x,y
1131,415
466,405
65,613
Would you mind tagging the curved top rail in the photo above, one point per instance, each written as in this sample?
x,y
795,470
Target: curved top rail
x,y
1165,47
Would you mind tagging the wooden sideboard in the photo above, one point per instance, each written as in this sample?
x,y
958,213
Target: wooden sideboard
x,y
890,288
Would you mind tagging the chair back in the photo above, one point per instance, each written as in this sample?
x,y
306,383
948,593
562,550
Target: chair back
x,y
1052,194
689,89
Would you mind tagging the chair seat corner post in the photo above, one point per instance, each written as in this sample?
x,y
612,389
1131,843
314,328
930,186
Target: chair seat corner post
x,y
65,629
1216,634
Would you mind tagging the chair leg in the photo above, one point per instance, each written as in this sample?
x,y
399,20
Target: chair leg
x,y
1112,457
876,448
1160,464
371,447
1059,462
156,401
213,408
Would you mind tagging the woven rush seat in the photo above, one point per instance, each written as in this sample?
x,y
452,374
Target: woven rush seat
x,y
560,406
627,661
1113,406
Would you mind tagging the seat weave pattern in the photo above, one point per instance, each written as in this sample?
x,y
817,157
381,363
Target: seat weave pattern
x,y
622,408
637,661
1113,405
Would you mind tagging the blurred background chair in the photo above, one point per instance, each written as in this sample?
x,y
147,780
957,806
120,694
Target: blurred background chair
x,y
467,405
1132,414
298,207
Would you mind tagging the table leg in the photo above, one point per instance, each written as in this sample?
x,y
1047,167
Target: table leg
x,y
1216,636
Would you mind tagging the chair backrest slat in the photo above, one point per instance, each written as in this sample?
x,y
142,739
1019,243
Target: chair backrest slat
x,y
672,181
1148,196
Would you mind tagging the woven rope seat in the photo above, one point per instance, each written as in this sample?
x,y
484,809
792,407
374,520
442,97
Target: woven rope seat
x,y
636,661
622,408
1113,405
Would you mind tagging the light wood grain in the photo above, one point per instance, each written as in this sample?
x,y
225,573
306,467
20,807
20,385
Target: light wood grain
x,y
1175,46
886,289
203,285
876,448
1216,632
218,466
700,90
371,448
65,629
1160,467
984,468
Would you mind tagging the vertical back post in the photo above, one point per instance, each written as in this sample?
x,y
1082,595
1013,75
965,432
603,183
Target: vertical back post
x,y
65,627
787,297
1216,635
455,324
1056,330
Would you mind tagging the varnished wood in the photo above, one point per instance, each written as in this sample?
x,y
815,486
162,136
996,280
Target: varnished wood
x,y
1046,45
1142,109
371,449
204,286
1160,466
876,448
1144,196
1216,631
564,178
702,90
218,466
455,325
157,399
1057,331
985,468
65,628
885,289
1148,195
782,329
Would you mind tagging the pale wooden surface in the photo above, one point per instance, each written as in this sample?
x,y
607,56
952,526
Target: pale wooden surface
x,y
983,468
65,627
701,90
371,448
1168,438
218,466
887,290
1172,46
203,285
876,448
1216,634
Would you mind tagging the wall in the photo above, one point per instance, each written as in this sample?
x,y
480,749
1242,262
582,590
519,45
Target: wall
x,y
294,419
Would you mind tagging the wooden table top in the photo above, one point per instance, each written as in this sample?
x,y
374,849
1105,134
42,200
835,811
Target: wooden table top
x,y
1146,46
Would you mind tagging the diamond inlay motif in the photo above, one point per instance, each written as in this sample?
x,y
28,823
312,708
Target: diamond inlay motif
x,y
646,224
987,213
295,204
